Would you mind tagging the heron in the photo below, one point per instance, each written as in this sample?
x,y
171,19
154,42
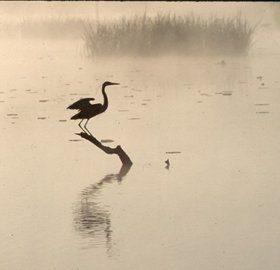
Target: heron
x,y
88,110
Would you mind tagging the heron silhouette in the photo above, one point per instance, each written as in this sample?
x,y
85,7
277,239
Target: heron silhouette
x,y
88,110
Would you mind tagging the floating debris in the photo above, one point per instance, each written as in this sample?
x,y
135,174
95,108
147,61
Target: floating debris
x,y
167,162
173,152
107,141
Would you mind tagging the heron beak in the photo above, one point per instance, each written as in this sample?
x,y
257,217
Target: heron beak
x,y
115,83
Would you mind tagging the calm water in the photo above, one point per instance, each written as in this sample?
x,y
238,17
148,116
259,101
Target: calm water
x,y
64,204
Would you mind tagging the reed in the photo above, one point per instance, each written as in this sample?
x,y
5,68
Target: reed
x,y
169,34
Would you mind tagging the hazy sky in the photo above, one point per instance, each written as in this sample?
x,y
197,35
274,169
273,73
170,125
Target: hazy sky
x,y
18,10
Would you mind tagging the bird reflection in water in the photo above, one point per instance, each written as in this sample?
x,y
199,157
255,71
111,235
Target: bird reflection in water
x,y
92,220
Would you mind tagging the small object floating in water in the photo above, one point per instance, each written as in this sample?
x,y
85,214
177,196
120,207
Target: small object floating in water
x,y
43,100
62,120
107,141
41,118
167,164
173,152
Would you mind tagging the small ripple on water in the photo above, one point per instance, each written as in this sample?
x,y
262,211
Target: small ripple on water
x,y
41,118
143,104
173,152
74,140
62,120
43,100
262,104
134,118
12,114
263,112
123,110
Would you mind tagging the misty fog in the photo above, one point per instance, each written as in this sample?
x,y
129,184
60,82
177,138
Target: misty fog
x,y
192,98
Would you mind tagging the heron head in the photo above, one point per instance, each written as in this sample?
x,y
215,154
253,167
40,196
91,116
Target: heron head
x,y
109,83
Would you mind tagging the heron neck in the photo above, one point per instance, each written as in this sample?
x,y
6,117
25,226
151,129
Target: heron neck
x,y
105,104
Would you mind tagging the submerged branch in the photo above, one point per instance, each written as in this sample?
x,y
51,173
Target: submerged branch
x,y
126,161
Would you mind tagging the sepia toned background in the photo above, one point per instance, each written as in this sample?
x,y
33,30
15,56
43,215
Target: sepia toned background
x,y
206,102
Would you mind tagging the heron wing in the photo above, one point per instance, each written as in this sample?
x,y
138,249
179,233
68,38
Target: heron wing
x,y
81,104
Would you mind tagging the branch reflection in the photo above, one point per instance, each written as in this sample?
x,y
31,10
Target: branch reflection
x,y
92,219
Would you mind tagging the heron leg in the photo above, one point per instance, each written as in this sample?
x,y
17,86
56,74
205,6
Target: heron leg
x,y
85,126
81,126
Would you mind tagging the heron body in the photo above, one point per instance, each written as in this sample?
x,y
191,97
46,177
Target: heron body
x,y
88,110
